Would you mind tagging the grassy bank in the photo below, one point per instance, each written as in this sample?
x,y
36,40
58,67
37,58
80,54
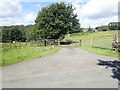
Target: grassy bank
x,y
25,54
100,51
98,41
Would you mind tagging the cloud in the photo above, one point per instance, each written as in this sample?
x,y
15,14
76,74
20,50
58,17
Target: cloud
x,y
11,13
52,0
38,5
96,13
10,8
92,12
99,9
30,18
85,22
26,20
6,21
94,9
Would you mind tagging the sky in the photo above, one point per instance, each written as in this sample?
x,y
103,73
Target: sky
x,y
90,12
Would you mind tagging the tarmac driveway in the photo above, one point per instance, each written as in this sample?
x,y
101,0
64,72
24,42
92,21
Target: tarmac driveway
x,y
71,67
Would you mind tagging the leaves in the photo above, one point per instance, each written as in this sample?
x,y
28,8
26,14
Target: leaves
x,y
56,20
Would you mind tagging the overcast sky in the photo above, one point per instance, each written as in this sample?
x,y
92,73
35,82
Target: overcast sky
x,y
90,12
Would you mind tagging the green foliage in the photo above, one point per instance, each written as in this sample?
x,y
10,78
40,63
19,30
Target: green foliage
x,y
114,26
31,33
11,46
105,28
55,21
102,28
90,29
13,33
62,37
118,25
52,22
25,54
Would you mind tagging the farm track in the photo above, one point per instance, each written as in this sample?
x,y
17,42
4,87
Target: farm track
x,y
70,67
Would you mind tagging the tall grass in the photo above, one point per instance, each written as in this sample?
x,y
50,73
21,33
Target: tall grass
x,y
10,46
27,53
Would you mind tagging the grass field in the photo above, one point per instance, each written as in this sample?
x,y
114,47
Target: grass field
x,y
98,39
27,53
87,35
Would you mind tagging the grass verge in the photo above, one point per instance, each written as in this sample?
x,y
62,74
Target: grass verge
x,y
25,54
100,51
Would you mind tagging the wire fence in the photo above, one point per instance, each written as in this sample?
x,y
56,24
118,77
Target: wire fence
x,y
45,42
33,43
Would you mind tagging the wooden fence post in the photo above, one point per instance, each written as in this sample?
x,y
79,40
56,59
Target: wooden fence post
x,y
10,44
115,36
80,42
26,43
58,42
45,42
19,43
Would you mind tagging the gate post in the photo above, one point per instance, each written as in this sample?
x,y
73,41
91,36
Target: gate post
x,y
115,36
80,42
45,42
91,41
58,42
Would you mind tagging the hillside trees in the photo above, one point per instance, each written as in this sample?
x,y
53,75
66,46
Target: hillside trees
x,y
102,28
114,25
31,33
13,33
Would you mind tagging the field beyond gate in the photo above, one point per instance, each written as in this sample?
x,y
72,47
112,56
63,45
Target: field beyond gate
x,y
96,39
96,42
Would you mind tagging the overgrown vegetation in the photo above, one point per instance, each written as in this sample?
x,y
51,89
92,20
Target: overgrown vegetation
x,y
11,46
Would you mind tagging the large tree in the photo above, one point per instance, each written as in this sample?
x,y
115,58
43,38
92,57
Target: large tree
x,y
55,21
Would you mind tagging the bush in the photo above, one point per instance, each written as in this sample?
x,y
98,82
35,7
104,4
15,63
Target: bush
x,y
105,29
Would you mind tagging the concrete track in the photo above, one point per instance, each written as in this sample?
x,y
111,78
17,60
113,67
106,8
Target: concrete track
x,y
71,67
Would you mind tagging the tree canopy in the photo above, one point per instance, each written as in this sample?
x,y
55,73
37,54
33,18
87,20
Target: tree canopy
x,y
13,33
55,21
